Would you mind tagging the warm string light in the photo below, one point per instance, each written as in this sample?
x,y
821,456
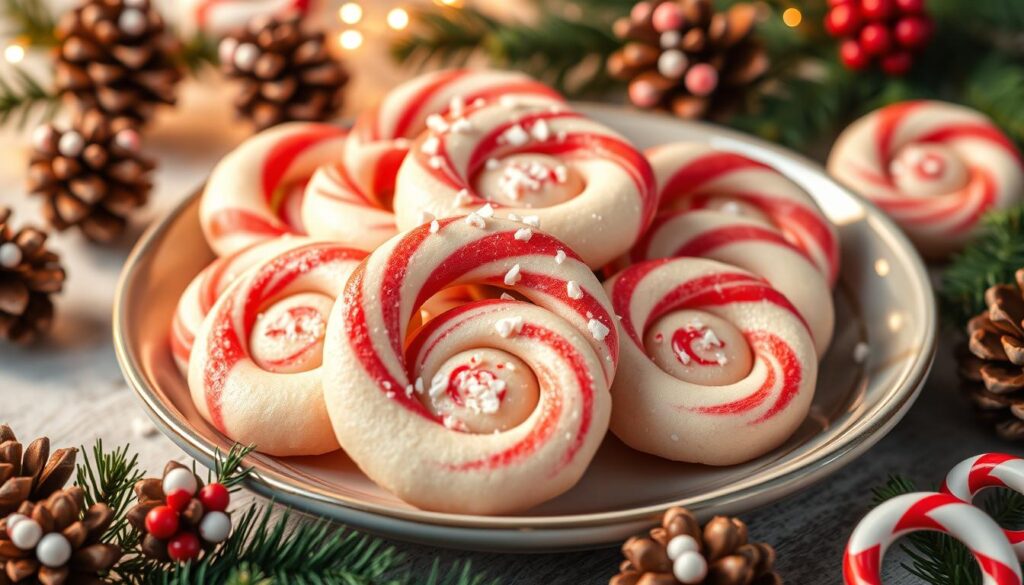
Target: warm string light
x,y
792,17
398,18
450,3
350,12
14,53
350,39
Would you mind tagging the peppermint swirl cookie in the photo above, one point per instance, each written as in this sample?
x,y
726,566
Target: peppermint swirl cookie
x,y
255,192
934,167
492,407
573,177
256,367
717,366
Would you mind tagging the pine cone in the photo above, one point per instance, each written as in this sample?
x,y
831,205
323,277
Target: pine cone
x,y
992,364
286,73
29,274
70,548
91,176
150,494
720,551
117,56
32,474
683,56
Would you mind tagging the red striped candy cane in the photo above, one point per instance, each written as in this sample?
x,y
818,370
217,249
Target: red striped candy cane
x,y
380,138
492,407
208,285
717,366
973,475
336,208
255,370
254,193
915,512
579,180
694,176
934,167
219,17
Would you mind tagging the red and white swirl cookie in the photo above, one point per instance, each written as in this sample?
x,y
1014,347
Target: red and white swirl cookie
x,y
934,167
573,177
381,136
492,407
206,288
336,208
255,370
695,176
717,367
255,192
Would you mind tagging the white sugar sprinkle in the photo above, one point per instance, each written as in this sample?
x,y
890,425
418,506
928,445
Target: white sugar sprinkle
x,y
435,162
540,130
572,288
462,126
507,297
486,211
597,329
437,123
457,106
435,226
512,276
462,197
431,145
509,326
524,234
492,164
475,220
426,217
515,136
559,256
531,220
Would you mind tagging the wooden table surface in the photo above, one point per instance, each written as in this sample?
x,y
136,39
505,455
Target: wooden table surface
x,y
71,389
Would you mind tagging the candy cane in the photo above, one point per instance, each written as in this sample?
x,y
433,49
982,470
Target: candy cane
x,y
255,371
751,245
914,512
717,366
381,135
695,176
975,474
579,180
219,17
934,167
336,208
208,285
254,193
492,407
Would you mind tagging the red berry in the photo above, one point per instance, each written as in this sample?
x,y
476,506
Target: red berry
x,y
215,497
842,20
183,547
876,9
913,32
178,499
853,55
162,522
839,2
897,63
910,6
875,39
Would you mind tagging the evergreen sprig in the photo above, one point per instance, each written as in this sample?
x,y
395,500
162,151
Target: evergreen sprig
x,y
938,558
991,258
21,95
32,22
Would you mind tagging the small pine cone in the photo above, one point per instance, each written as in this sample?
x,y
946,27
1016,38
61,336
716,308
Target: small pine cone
x,y
285,72
91,176
683,56
117,56
992,363
29,274
30,474
62,516
150,494
720,549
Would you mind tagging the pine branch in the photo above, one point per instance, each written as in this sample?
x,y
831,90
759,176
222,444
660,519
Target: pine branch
x,y
108,478
22,96
198,52
229,469
996,87
32,22
991,258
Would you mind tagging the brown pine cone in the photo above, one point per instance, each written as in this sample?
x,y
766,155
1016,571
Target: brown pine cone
x,y
992,364
66,547
718,554
117,56
91,176
30,474
285,72
29,274
150,494
683,56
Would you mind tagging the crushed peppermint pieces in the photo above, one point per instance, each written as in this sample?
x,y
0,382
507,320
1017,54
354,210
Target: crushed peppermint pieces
x,y
513,276
559,256
508,326
598,329
572,288
523,234
476,221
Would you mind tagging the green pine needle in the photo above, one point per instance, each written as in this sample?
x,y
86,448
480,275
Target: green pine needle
x,y
31,21
229,469
198,52
109,478
991,258
21,96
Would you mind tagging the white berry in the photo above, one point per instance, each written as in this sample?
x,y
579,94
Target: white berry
x,y
54,550
71,144
246,55
25,534
42,136
215,527
681,544
10,255
128,139
14,519
132,21
180,478
672,64
690,568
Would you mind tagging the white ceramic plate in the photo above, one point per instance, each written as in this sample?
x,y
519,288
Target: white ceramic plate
x,y
883,299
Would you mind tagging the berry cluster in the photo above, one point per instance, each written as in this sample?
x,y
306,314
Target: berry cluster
x,y
188,515
886,31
